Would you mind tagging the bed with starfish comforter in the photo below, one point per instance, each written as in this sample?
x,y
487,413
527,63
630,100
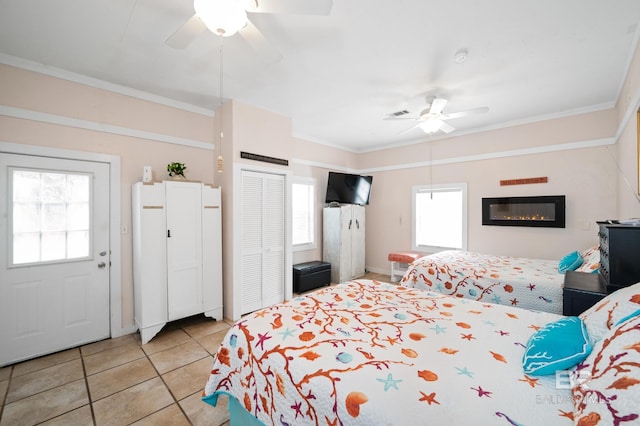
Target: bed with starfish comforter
x,y
372,353
515,281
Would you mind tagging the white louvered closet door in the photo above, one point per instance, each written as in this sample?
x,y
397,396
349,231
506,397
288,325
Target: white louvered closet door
x,y
263,234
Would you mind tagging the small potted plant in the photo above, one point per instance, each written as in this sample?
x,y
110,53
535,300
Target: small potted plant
x,y
176,169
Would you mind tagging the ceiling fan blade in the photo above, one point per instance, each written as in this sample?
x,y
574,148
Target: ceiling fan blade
x,y
186,33
405,131
437,105
467,112
402,118
447,128
265,50
301,7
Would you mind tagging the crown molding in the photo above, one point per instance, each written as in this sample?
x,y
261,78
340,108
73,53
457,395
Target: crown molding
x,y
25,64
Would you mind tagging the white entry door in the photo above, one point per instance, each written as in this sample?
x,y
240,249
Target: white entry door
x,y
54,256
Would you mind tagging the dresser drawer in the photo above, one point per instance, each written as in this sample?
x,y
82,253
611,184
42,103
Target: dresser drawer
x,y
619,254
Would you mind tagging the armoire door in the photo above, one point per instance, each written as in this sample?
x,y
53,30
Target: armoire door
x,y
346,242
357,241
184,249
263,240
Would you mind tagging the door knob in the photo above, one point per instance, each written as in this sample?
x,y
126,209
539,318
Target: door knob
x,y
101,265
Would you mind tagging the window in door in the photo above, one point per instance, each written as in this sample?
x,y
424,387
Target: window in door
x,y
303,204
439,217
50,218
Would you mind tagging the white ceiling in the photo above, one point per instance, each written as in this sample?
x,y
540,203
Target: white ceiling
x,y
341,74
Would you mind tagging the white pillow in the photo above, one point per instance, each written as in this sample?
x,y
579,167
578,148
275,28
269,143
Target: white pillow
x,y
606,385
590,260
605,315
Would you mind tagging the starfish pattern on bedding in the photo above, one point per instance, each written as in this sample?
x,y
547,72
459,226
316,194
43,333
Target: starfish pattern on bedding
x,y
389,382
298,407
532,382
482,392
431,398
465,372
261,339
286,333
439,329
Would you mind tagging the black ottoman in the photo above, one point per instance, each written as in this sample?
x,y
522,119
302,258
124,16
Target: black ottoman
x,y
310,275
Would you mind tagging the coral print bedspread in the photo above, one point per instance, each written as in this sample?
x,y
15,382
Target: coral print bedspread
x,y
515,281
369,353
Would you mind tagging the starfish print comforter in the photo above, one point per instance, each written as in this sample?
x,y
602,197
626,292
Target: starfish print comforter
x,y
372,353
515,281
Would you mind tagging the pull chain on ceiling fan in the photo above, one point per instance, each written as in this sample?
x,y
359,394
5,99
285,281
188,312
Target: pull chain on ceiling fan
x,y
220,160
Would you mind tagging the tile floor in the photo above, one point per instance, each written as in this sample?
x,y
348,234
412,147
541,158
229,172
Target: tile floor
x,y
120,381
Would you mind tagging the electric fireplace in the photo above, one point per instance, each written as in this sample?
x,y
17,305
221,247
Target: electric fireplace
x,y
542,211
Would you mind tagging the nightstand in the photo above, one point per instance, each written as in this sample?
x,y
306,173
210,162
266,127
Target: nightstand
x,y
581,291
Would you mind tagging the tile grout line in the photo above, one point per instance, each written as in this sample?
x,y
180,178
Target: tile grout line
x,y
85,376
6,393
166,387
175,400
86,383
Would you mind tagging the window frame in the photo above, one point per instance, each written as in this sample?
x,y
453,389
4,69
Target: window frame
x,y
313,244
449,187
11,222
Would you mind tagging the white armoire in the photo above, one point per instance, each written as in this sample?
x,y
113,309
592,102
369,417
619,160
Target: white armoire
x,y
177,253
343,241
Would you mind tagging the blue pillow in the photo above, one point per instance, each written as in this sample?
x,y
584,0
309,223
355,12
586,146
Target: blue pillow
x,y
570,262
556,346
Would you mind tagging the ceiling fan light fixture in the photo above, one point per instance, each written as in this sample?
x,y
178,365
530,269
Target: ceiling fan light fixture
x,y
222,17
430,126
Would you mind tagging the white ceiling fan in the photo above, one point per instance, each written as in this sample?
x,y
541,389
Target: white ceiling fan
x,y
432,119
226,17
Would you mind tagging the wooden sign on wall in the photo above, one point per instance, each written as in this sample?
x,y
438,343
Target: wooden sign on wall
x,y
524,181
263,158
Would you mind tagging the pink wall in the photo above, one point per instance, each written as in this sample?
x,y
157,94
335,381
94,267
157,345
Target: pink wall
x,y
250,129
586,174
63,99
315,160
628,144
537,135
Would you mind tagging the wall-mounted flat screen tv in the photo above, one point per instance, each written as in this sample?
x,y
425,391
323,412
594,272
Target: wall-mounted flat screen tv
x,y
345,188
